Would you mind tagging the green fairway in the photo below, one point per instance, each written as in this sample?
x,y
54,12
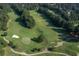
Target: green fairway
x,y
24,43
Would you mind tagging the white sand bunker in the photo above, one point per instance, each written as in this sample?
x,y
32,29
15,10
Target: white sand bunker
x,y
15,36
26,40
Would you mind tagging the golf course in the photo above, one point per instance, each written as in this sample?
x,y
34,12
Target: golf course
x,y
38,31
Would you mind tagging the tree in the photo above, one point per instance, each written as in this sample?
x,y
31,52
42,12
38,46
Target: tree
x,y
3,20
55,19
17,8
77,29
39,39
5,7
11,44
27,20
4,34
2,43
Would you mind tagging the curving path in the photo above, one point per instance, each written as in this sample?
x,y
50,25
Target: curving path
x,y
26,54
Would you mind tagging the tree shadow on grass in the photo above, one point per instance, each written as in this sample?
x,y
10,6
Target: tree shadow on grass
x,y
69,38
46,18
63,35
21,22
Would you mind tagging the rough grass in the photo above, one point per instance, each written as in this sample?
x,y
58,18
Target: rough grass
x,y
1,52
8,52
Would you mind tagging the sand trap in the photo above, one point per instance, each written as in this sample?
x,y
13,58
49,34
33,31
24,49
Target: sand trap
x,y
15,36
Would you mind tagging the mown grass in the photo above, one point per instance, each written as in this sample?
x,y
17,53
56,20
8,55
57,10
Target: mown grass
x,y
15,28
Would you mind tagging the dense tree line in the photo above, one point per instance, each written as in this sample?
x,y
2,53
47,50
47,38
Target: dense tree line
x,y
54,19
23,11
4,9
64,9
18,8
69,23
